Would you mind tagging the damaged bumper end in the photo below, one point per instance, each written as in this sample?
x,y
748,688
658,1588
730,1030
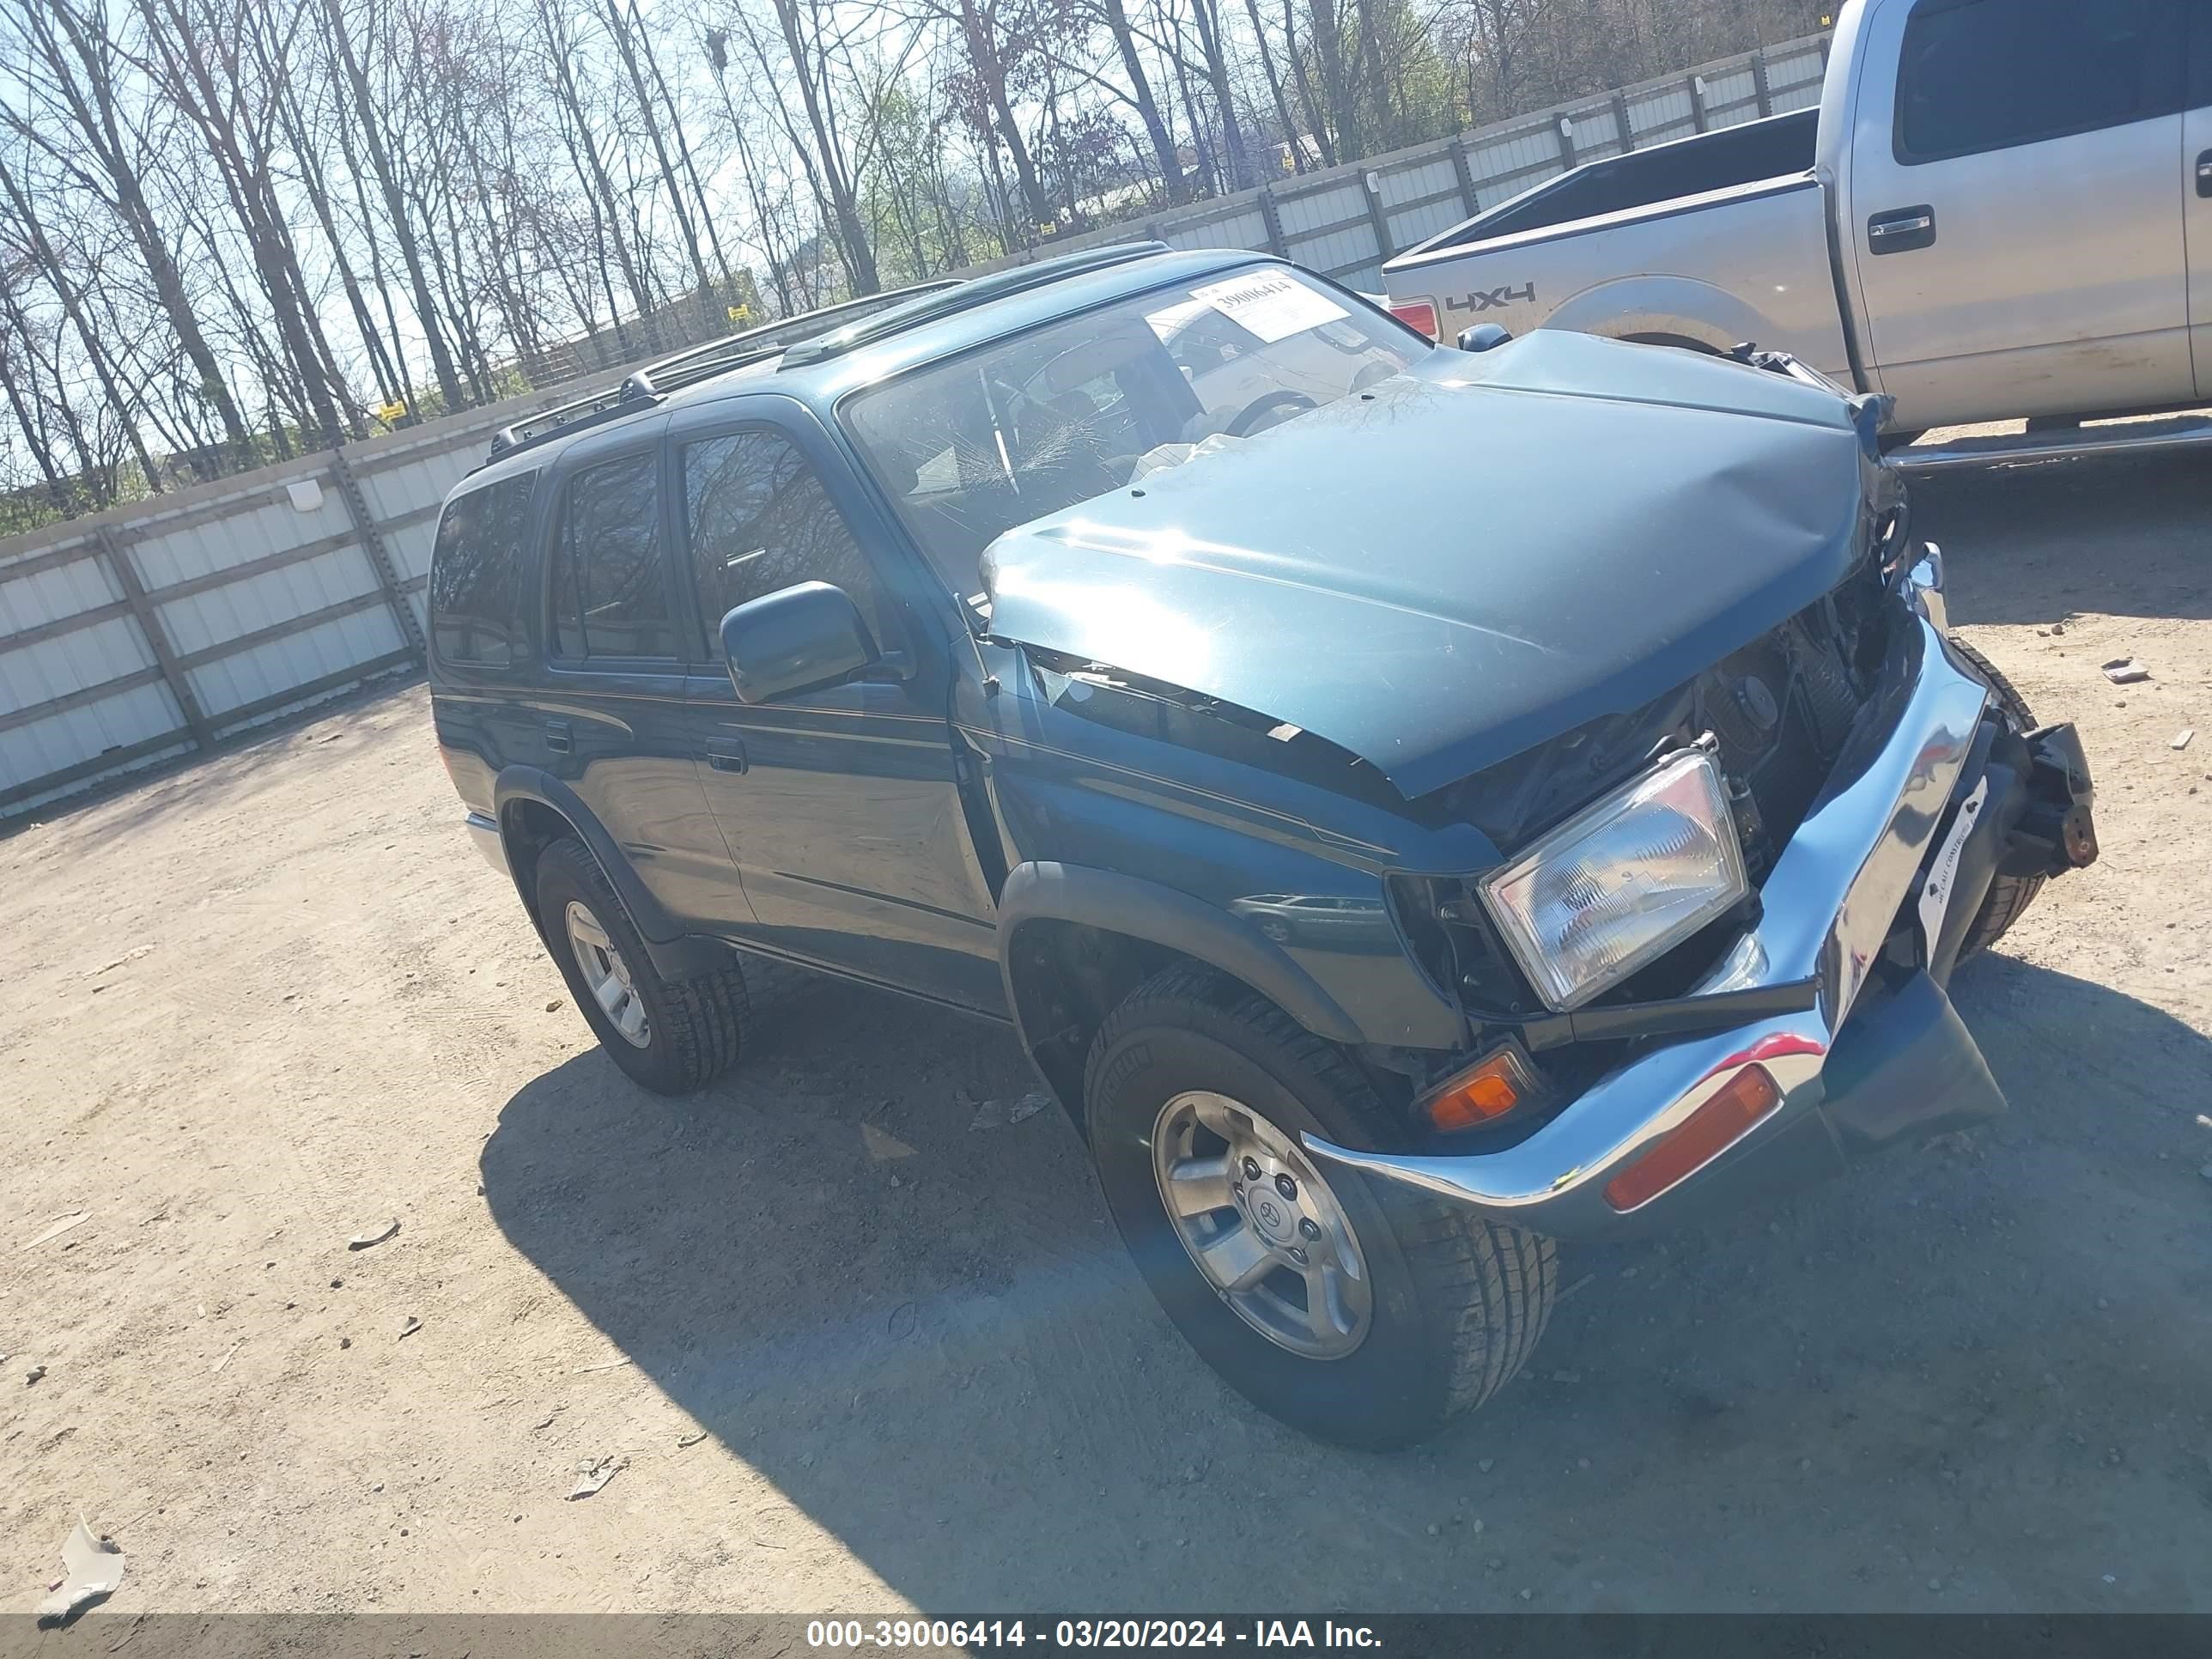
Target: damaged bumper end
x,y
1928,803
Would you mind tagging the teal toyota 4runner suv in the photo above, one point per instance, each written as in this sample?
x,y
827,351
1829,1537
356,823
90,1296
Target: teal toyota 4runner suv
x,y
1411,804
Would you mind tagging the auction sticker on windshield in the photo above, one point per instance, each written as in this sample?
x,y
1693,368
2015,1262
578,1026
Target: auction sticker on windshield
x,y
1270,304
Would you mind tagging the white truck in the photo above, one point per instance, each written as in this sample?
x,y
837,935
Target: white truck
x,y
2001,209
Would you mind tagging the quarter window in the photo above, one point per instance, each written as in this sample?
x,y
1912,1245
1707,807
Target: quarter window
x,y
759,521
1984,75
473,568
610,589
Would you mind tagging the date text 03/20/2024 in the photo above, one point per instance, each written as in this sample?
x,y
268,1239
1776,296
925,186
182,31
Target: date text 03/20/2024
x,y
893,1634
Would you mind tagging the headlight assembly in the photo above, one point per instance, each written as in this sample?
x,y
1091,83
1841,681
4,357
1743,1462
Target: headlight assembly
x,y
1622,883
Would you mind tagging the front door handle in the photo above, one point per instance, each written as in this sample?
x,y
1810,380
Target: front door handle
x,y
1901,231
2205,175
727,755
559,739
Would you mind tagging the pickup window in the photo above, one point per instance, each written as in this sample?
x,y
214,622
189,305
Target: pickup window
x,y
1987,74
970,447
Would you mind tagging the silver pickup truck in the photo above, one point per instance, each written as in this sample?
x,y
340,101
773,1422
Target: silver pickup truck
x,y
2001,209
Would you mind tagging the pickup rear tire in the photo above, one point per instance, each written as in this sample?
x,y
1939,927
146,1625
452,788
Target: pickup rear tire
x,y
1402,1311
673,1036
2008,896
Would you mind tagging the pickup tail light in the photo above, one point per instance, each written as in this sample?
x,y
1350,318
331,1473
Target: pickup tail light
x,y
1417,313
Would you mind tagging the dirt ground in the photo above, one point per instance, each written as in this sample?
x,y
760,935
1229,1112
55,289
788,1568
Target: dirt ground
x,y
859,1356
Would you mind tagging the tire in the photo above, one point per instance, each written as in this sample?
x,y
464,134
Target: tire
x,y
692,1029
2008,896
1457,1303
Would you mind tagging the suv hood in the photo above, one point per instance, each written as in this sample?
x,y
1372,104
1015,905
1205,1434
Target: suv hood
x,y
1466,560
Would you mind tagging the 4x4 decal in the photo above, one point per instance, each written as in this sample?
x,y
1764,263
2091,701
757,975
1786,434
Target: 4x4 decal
x,y
1496,297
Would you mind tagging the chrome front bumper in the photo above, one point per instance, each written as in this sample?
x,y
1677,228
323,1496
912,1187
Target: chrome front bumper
x,y
1829,904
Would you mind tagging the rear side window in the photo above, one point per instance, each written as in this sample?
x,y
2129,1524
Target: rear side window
x,y
610,588
1984,75
474,616
760,519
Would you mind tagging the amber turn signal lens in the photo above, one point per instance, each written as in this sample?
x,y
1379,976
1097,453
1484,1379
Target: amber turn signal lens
x,y
1715,1127
1483,1093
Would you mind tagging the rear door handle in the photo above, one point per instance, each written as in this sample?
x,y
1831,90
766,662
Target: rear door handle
x,y
727,755
1902,231
2204,173
558,738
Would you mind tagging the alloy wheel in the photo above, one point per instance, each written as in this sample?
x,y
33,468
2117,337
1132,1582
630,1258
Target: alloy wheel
x,y
607,975
1262,1225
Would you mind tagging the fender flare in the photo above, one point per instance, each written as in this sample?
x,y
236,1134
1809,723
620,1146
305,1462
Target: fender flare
x,y
676,954
1048,891
1683,307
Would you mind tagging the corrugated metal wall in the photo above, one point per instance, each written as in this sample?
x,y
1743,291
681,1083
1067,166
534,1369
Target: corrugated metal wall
x,y
156,629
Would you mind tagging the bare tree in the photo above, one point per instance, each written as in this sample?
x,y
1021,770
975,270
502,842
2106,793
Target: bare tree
x,y
401,227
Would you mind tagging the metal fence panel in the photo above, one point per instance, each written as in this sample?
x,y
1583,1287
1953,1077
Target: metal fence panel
x,y
314,653
1248,228
48,670
199,622
1344,254
265,521
1417,224
1515,161
1732,86
1794,77
53,595
1404,185
65,741
1596,131
1661,112
1311,210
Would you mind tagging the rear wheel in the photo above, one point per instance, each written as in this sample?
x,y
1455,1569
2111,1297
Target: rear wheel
x,y
1358,1311
2008,896
674,1036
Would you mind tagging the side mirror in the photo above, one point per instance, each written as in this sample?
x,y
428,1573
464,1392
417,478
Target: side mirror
x,y
797,639
1484,336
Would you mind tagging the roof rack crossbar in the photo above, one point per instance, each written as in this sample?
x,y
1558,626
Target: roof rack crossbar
x,y
977,290
648,384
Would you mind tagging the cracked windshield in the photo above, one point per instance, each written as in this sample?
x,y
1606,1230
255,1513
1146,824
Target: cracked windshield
x,y
971,447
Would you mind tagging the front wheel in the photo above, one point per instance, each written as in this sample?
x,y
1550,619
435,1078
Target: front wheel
x,y
1356,1311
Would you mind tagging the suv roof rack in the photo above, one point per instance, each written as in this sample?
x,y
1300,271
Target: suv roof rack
x,y
648,386
977,290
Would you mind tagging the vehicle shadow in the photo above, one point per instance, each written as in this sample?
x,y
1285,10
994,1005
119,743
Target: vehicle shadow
x,y
943,1360
2029,545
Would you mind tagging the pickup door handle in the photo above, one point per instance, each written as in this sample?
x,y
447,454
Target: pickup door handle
x,y
727,755
1901,231
2204,173
559,739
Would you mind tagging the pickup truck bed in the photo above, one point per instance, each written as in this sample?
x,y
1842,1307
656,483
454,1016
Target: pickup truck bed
x,y
1705,242
1756,153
